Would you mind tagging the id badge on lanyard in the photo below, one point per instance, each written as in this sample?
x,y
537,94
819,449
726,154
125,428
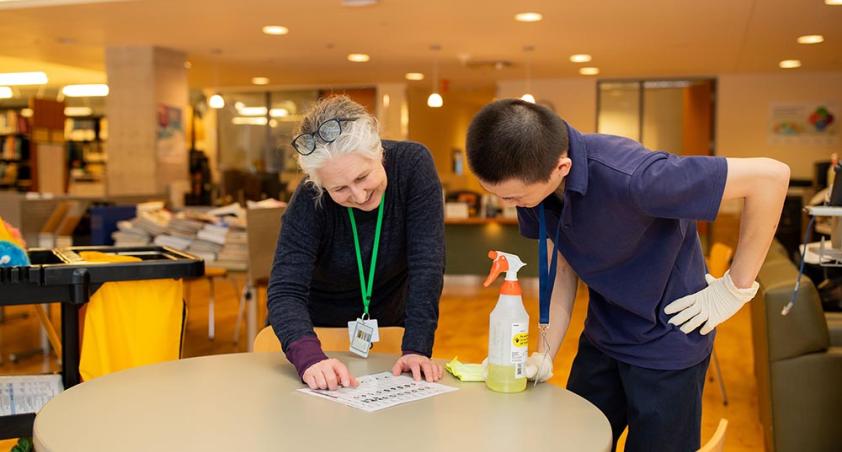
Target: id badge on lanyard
x,y
363,331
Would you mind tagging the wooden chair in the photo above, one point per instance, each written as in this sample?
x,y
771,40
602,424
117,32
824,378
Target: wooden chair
x,y
718,263
333,340
717,441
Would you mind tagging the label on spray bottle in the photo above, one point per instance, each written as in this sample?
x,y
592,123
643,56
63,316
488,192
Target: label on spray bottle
x,y
520,343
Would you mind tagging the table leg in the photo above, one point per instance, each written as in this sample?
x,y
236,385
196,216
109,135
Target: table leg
x,y
251,322
211,308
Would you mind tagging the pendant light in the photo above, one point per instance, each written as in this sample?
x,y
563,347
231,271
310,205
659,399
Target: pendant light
x,y
435,100
216,101
528,97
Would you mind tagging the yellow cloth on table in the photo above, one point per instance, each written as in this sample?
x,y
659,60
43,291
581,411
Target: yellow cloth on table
x,y
130,323
465,372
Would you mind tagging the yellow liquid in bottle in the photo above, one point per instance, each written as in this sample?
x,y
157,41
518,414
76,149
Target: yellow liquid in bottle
x,y
502,379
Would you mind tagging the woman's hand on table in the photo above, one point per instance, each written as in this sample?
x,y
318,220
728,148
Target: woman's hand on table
x,y
329,374
418,364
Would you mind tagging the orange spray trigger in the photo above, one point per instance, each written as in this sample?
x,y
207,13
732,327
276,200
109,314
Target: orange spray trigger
x,y
500,265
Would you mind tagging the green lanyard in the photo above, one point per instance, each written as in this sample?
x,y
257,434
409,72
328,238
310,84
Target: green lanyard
x,y
366,290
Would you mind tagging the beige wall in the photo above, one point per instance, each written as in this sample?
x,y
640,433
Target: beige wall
x,y
444,129
574,99
743,115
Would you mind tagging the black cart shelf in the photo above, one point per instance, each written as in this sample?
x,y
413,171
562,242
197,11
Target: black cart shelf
x,y
60,275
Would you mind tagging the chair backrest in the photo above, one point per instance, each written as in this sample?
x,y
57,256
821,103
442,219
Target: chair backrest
x,y
262,226
266,341
720,259
333,340
717,441
804,329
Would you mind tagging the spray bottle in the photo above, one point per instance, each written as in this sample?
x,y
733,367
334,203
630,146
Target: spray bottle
x,y
508,334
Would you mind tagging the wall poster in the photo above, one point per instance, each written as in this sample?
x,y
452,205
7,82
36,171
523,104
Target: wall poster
x,y
814,123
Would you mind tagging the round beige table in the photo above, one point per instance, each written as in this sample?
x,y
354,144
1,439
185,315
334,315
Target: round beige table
x,y
249,402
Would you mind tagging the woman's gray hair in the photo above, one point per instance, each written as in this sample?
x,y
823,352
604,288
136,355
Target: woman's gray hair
x,y
359,135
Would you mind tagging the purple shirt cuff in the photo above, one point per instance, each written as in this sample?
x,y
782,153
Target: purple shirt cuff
x,y
305,352
413,352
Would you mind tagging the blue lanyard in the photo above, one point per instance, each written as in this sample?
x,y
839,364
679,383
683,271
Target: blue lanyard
x,y
546,277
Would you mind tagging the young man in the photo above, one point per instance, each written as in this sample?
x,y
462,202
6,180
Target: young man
x,y
623,219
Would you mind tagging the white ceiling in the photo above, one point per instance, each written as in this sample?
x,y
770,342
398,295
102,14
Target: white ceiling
x,y
662,38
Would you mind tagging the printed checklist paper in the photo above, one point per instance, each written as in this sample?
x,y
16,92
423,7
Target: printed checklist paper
x,y
27,394
383,390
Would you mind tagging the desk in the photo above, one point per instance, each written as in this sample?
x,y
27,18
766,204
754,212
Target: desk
x,y
249,402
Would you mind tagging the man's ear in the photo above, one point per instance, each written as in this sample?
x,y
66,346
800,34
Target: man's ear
x,y
564,165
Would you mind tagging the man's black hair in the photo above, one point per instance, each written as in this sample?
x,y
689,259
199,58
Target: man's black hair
x,y
515,139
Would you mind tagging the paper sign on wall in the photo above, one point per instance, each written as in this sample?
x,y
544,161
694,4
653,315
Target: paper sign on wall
x,y
814,123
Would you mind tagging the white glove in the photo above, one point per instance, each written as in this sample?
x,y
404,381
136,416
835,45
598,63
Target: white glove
x,y
712,305
539,367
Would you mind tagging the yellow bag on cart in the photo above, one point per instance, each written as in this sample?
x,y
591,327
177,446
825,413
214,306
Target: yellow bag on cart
x,y
130,323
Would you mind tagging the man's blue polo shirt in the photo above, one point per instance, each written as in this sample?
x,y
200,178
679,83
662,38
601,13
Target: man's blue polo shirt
x,y
628,230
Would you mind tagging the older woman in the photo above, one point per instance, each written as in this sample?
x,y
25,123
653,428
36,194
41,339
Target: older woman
x,y
383,206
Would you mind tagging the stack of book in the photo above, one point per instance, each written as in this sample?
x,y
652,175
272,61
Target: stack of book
x,y
179,243
181,226
154,222
128,234
180,233
234,254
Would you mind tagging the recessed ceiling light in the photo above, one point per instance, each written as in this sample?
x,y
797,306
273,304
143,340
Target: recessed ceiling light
x,y
278,112
77,111
358,57
589,70
354,3
252,111
99,90
250,121
580,58
789,64
810,39
260,80
414,76
5,92
23,78
276,30
528,17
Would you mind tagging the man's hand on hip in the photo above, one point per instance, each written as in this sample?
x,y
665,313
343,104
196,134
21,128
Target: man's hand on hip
x,y
710,306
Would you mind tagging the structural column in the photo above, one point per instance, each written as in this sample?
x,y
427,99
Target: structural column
x,y
147,111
